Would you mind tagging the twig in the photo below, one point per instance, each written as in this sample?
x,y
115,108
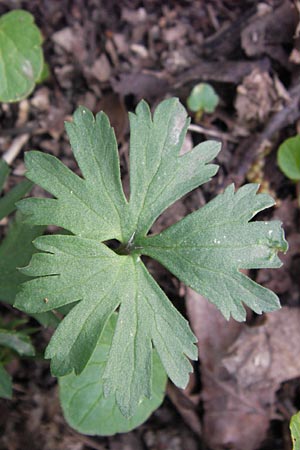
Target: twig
x,y
16,131
185,407
214,133
248,151
232,72
89,442
15,148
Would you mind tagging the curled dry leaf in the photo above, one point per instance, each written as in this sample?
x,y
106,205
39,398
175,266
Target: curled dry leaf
x,y
257,97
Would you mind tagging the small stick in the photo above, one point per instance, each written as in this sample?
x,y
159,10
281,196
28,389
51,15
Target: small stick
x,y
15,148
214,133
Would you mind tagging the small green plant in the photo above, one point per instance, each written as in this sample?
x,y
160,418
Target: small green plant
x,y
203,98
21,62
16,248
206,250
295,431
288,158
12,341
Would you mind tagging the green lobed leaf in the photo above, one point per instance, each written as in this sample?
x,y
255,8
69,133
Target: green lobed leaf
x,y
84,270
16,250
80,269
159,175
5,383
17,341
21,59
7,203
84,405
288,157
295,431
207,248
203,98
94,204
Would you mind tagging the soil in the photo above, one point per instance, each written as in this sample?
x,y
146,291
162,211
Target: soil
x,y
107,56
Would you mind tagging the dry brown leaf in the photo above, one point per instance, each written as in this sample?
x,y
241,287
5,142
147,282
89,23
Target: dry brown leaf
x,y
147,85
268,32
186,407
113,105
257,97
242,367
100,70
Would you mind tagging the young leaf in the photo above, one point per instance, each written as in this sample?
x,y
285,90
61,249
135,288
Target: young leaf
x,y
207,248
5,383
295,431
21,59
203,98
17,341
7,203
15,251
84,405
288,158
81,269
4,172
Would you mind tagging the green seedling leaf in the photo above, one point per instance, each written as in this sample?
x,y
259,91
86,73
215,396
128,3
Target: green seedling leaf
x,y
21,61
87,409
5,383
203,98
207,248
7,203
81,268
15,251
288,158
4,172
295,431
17,341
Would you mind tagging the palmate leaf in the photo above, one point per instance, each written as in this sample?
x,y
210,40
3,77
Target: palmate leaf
x,y
80,268
74,269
